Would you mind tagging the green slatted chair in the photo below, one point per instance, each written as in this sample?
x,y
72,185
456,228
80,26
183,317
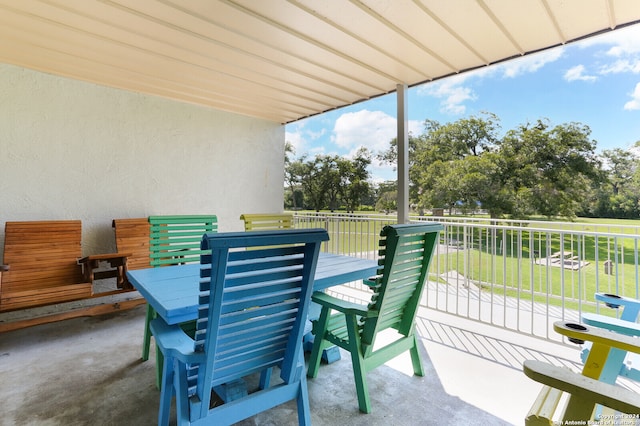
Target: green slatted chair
x,y
174,240
406,252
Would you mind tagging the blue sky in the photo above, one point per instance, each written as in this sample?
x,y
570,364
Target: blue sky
x,y
594,82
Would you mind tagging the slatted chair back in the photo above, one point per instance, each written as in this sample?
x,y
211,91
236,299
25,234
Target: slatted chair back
x,y
253,306
405,255
267,221
132,236
176,240
41,264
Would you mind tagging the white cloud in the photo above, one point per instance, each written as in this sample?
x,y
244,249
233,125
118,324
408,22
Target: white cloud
x,y
296,140
452,92
371,129
622,47
529,63
634,103
623,42
631,65
300,137
577,74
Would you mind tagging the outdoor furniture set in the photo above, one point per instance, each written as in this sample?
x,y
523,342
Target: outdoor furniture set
x,y
251,306
222,306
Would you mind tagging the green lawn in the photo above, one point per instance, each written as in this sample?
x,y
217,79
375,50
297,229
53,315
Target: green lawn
x,y
506,257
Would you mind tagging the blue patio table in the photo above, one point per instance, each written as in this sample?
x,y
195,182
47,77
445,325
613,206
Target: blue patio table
x,y
172,291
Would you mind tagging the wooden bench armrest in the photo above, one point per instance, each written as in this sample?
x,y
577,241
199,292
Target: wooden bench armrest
x,y
618,398
104,257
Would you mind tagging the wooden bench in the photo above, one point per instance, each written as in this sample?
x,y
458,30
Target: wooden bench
x,y
584,391
41,264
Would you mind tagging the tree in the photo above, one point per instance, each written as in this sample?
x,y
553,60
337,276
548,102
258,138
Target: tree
x,y
551,170
445,170
293,171
357,179
620,198
620,166
387,194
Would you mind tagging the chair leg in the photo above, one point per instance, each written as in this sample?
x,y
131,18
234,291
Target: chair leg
x,y
304,416
316,353
146,338
416,360
166,394
159,368
359,370
181,389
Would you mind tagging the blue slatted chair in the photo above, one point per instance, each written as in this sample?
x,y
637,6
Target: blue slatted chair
x,y
253,306
406,252
626,324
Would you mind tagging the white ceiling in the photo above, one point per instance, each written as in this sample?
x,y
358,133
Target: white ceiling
x,y
284,60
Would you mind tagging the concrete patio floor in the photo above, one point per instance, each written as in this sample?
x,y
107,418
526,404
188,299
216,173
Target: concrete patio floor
x,y
87,371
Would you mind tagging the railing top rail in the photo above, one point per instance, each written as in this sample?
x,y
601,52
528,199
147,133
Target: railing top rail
x,y
604,229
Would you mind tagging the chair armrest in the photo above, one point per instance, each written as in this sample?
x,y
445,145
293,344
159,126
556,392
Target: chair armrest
x,y
597,335
341,305
613,324
103,257
174,342
372,281
615,301
562,378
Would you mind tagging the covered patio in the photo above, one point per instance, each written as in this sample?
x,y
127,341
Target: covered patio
x,y
120,109
88,371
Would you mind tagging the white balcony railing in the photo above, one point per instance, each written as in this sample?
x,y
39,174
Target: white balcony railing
x,y
519,275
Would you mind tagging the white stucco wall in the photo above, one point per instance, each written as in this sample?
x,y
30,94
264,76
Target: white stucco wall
x,y
76,150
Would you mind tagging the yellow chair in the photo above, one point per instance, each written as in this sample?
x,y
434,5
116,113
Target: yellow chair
x,y
267,221
584,390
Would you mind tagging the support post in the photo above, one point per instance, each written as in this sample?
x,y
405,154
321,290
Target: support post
x,y
403,153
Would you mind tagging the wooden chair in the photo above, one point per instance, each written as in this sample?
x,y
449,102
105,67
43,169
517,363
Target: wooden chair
x,y
626,324
267,221
584,390
173,240
406,252
41,264
251,318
